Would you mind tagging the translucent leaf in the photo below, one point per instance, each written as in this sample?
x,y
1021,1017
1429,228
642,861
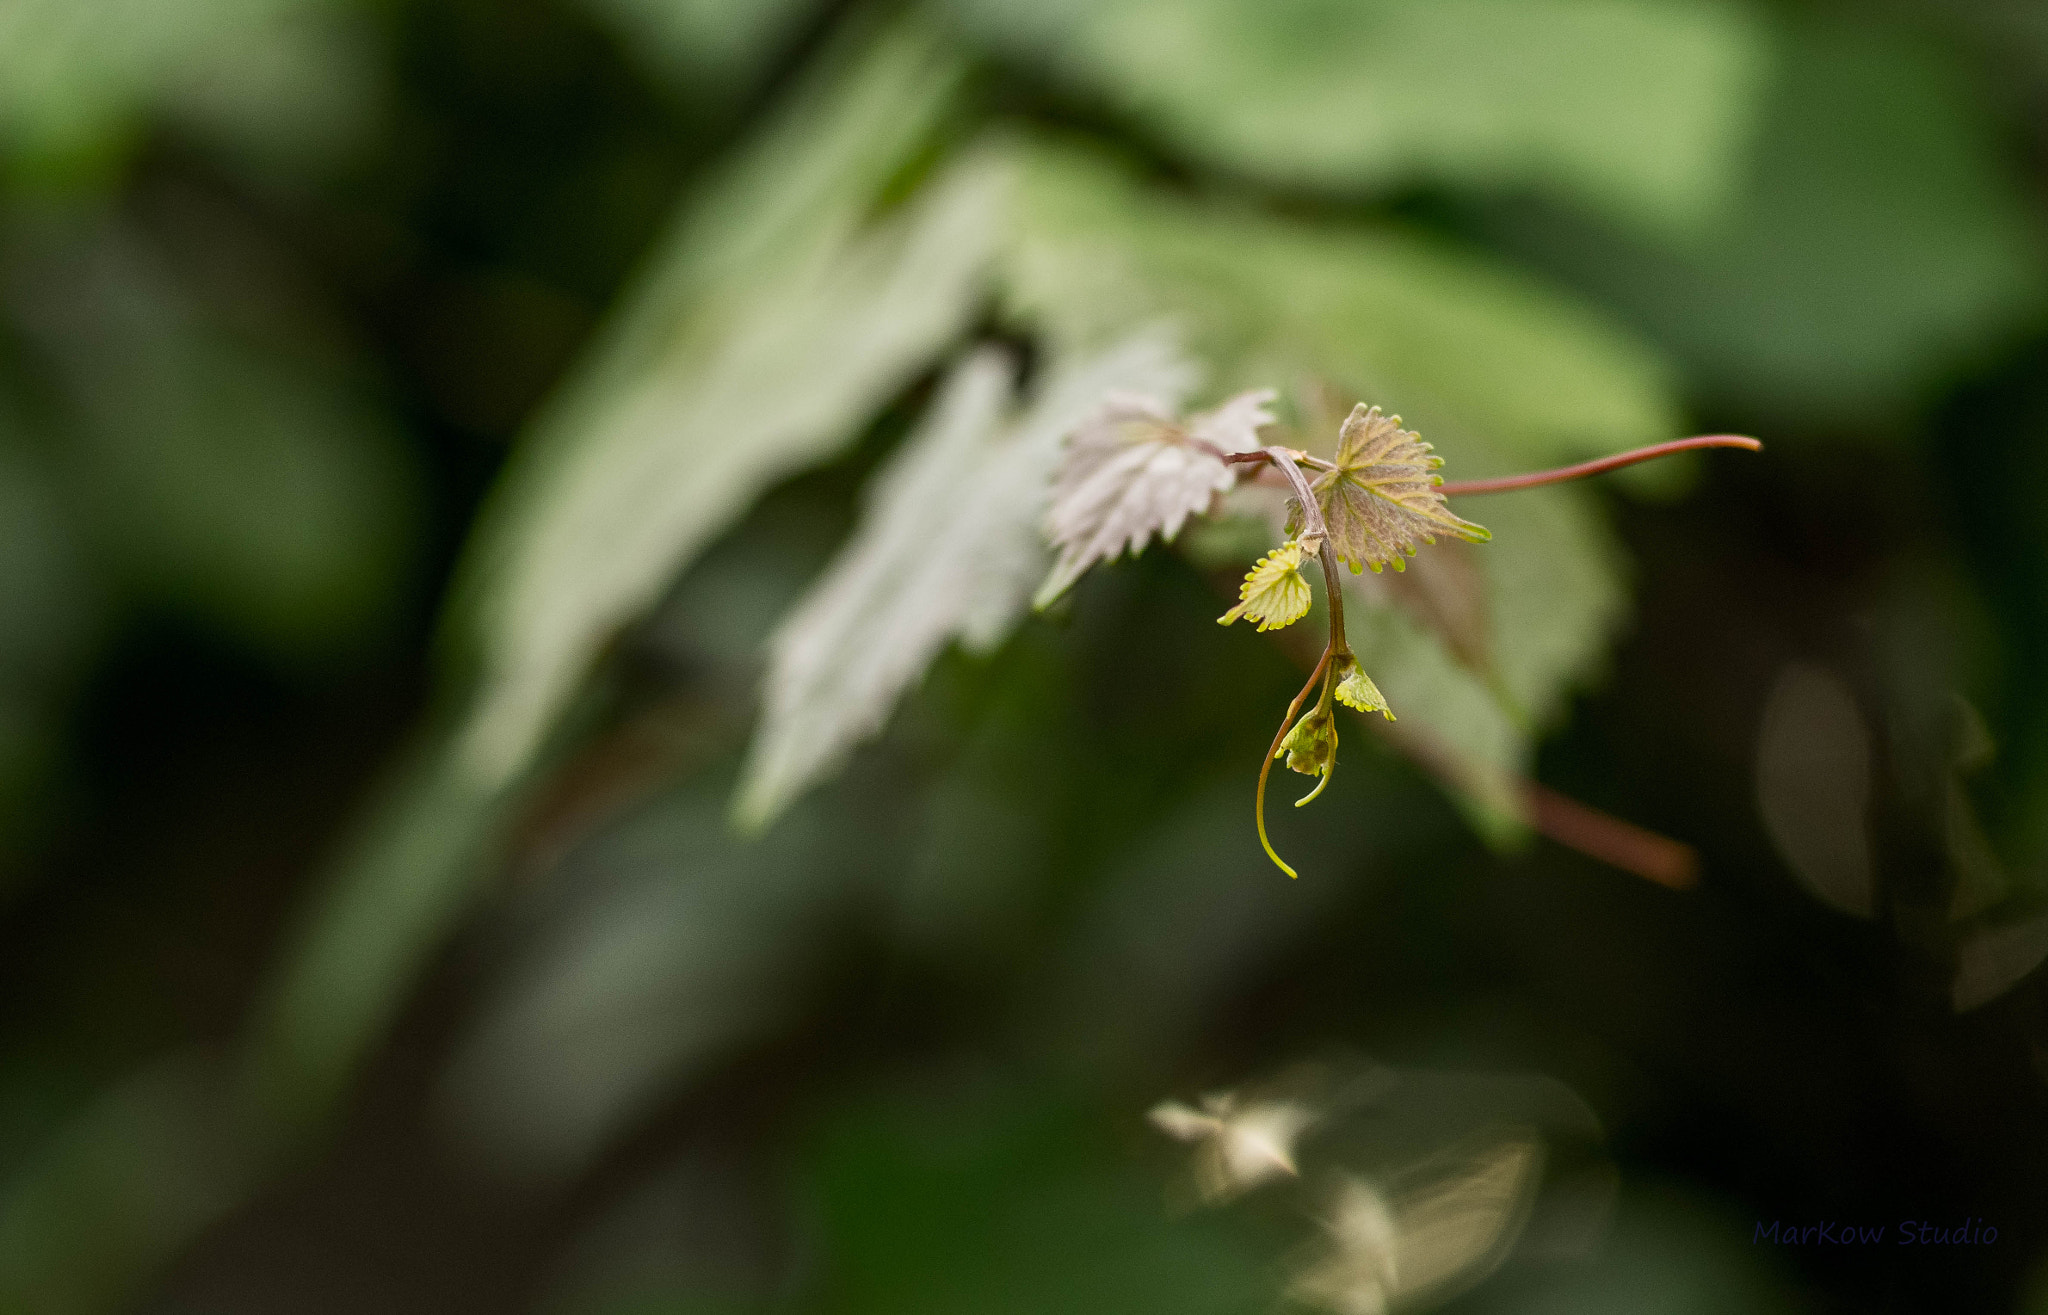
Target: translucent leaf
x,y
1446,590
1554,595
1446,1226
1472,739
1241,1143
947,548
1274,592
779,323
1650,123
1382,497
1130,471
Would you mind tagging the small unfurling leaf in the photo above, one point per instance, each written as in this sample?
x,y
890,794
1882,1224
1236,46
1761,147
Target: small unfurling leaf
x,y
1311,747
1382,498
1131,470
1274,592
1356,690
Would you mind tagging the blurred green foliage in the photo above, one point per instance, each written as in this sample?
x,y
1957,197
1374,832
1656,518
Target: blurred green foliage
x,y
425,425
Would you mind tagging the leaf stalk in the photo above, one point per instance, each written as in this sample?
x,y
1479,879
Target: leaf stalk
x,y
1538,478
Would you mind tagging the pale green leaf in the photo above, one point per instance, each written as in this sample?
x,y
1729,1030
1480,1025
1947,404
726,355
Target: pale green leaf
x,y
1132,471
1382,498
1554,595
1355,689
1451,719
947,548
1642,107
761,349
1420,326
1274,592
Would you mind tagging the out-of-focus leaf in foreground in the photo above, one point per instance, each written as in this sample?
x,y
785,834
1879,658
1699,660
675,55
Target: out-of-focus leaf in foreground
x,y
1993,959
948,547
1447,1227
1239,1143
781,320
772,321
1642,108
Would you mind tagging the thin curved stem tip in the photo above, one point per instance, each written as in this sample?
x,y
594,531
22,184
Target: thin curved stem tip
x,y
1266,767
1537,478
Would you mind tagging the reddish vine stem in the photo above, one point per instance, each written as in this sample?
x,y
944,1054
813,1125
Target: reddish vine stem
x,y
1537,478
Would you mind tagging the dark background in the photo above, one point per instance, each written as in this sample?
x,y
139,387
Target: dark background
x,y
939,1085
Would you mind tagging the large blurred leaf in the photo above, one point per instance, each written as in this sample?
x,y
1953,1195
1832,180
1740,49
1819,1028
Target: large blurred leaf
x,y
770,323
778,325
1641,107
1551,589
1880,240
1444,336
949,547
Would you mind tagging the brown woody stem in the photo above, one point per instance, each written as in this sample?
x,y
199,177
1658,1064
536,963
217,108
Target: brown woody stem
x,y
1537,478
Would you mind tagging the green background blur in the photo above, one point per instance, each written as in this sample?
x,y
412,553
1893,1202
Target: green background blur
x,y
299,1019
